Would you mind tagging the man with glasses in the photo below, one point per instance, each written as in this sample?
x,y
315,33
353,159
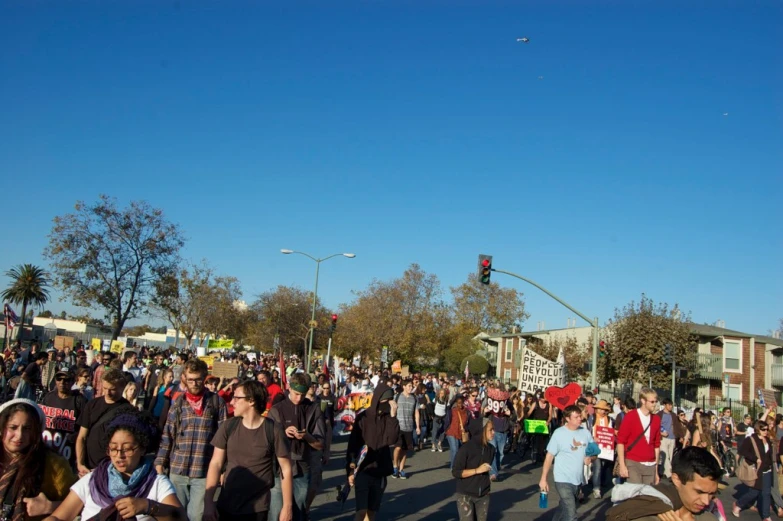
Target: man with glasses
x,y
185,448
102,364
61,407
566,452
639,441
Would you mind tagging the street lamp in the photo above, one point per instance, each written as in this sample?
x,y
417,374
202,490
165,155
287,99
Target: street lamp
x,y
315,294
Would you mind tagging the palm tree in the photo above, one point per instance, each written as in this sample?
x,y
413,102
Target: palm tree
x,y
29,285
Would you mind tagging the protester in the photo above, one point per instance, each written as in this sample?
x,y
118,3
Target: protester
x,y
472,465
695,479
124,485
671,431
439,419
566,449
101,363
152,379
542,411
304,428
62,407
639,440
251,447
192,421
601,467
458,425
376,428
94,421
82,384
409,418
757,450
157,403
33,479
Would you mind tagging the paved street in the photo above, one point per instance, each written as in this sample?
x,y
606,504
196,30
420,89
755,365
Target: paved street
x,y
428,493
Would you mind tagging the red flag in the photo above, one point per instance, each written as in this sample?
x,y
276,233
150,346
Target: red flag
x,y
281,368
326,368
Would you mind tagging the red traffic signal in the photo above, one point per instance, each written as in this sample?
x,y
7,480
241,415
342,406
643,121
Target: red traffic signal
x,y
334,318
601,348
484,268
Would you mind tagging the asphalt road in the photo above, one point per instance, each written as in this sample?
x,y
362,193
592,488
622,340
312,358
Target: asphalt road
x,y
428,493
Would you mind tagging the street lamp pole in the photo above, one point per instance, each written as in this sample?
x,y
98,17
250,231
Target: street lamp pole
x,y
318,262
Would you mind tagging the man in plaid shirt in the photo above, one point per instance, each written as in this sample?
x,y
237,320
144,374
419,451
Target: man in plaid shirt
x,y
185,446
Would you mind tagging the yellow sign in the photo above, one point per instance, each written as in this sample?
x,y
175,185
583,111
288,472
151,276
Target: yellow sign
x,y
397,366
117,346
96,344
209,360
217,344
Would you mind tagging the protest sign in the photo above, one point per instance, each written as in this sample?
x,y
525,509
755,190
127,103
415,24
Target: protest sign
x,y
117,346
536,427
405,371
348,407
397,366
497,400
220,344
224,369
209,360
562,397
604,437
443,376
95,343
61,342
107,344
767,398
536,372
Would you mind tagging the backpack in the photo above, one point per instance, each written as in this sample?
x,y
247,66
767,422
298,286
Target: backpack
x,y
269,430
214,401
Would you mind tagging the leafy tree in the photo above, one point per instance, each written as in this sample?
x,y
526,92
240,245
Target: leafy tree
x,y
576,355
88,319
182,298
112,258
454,355
478,365
406,313
46,314
636,338
491,309
285,312
29,285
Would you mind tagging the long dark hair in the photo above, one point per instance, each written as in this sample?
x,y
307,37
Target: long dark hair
x,y
33,460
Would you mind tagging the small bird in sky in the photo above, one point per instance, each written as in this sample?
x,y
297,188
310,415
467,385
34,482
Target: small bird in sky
x,y
524,40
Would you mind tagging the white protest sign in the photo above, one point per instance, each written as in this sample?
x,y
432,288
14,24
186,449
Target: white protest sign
x,y
538,373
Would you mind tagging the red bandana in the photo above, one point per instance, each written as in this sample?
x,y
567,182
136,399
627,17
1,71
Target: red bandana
x,y
196,401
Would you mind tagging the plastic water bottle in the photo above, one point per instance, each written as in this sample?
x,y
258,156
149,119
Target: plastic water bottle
x,y
543,500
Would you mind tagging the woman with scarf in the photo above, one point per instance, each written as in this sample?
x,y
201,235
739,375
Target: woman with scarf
x,y
124,485
472,465
33,480
377,429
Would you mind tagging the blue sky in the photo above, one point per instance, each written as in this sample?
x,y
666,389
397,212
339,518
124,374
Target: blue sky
x,y
417,132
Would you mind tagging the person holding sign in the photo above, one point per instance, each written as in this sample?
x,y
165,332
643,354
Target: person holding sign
x,y
603,434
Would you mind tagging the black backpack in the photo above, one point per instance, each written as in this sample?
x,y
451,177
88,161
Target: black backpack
x,y
269,430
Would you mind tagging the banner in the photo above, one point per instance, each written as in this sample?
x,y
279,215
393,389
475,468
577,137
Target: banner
x,y
117,347
225,369
218,344
536,427
537,372
348,407
604,437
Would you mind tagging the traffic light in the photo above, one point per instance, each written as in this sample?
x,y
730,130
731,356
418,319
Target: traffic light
x,y
601,348
668,354
484,268
334,322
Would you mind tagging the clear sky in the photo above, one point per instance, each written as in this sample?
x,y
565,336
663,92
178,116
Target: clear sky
x,y
596,160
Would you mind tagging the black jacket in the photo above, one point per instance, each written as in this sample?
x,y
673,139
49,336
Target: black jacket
x,y
747,452
470,456
378,431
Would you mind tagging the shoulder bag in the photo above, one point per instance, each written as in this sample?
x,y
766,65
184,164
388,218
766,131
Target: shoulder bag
x,y
465,435
746,472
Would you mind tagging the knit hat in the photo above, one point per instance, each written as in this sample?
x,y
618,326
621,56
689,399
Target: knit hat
x,y
25,401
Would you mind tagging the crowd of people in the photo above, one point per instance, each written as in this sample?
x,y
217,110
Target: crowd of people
x,y
152,434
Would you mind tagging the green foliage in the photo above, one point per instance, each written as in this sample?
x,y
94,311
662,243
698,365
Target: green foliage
x,y
29,285
455,354
636,337
478,365
112,258
490,309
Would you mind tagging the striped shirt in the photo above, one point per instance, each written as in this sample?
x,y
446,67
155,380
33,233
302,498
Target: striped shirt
x,y
406,409
186,448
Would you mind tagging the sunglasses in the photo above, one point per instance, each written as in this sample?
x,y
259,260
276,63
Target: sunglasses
x,y
63,379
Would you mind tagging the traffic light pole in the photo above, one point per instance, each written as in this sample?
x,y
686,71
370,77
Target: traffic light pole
x,y
593,322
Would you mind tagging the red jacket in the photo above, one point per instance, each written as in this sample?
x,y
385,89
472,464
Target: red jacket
x,y
631,428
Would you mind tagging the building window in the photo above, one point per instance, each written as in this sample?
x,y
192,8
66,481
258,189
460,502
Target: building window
x,y
509,349
732,391
732,356
507,375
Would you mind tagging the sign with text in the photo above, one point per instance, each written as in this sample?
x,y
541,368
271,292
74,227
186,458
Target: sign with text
x,y
537,372
220,344
767,397
604,437
209,360
95,343
405,371
117,346
61,342
397,366
536,427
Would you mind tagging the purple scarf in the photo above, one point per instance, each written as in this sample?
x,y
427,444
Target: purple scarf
x,y
99,489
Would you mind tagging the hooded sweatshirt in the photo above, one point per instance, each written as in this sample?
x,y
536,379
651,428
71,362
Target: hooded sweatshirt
x,y
375,428
644,502
470,456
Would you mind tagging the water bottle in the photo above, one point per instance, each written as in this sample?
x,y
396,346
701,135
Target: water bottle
x,y
543,500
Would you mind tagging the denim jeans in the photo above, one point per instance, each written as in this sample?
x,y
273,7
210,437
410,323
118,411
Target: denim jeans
x,y
423,435
762,498
301,484
438,432
472,508
191,493
499,442
601,467
454,445
566,510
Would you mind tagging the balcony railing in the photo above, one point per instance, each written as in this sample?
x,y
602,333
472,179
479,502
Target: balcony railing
x,y
777,374
710,367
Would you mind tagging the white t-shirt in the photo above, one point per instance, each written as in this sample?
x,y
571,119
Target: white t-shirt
x,y
161,489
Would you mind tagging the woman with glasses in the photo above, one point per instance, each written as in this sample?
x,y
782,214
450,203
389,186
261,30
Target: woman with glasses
x,y
757,450
473,404
82,384
124,485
